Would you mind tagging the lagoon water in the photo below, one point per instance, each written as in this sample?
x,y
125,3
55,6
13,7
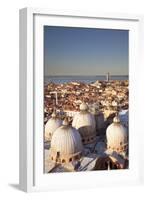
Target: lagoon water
x,y
85,79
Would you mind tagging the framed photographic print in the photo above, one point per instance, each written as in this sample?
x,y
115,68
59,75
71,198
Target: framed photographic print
x,y
79,120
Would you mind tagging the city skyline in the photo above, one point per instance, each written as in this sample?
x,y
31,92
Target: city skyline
x,y
85,51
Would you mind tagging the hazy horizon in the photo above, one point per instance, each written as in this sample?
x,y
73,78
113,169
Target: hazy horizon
x,y
70,51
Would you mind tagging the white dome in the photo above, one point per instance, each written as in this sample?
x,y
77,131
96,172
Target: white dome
x,y
116,135
84,122
66,144
52,124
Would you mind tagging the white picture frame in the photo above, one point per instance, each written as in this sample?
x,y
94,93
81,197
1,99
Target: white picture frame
x,y
31,174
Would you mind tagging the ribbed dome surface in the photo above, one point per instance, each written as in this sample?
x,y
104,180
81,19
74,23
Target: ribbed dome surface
x,y
50,127
84,122
83,119
66,140
116,135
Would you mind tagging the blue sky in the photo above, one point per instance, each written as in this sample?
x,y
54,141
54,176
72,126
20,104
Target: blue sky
x,y
85,51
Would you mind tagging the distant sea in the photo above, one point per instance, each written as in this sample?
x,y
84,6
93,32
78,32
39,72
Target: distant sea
x,y
85,79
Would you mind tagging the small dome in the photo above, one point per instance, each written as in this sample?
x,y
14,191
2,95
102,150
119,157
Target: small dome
x,y
116,135
84,122
52,124
83,106
116,119
66,144
65,122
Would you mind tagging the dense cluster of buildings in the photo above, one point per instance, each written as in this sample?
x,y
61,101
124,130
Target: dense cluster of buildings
x,y
108,97
95,136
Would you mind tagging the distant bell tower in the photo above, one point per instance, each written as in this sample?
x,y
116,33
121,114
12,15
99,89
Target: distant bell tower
x,y
108,77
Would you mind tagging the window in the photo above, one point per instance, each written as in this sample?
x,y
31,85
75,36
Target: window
x,y
58,154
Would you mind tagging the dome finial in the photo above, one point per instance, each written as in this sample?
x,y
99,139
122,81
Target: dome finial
x,y
83,106
54,114
65,122
116,118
